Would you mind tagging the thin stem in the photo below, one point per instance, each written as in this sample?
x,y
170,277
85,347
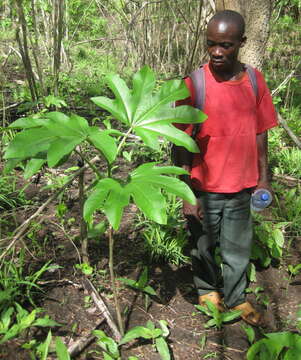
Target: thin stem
x,y
113,280
83,224
124,139
92,166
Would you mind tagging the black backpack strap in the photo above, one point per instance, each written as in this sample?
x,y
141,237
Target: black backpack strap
x,y
198,80
252,76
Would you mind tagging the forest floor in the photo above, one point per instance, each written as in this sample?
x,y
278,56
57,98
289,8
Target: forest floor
x,y
67,301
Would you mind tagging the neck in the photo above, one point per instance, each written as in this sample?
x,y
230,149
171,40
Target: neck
x,y
234,73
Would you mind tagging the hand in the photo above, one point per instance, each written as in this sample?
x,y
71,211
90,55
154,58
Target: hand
x,y
264,184
192,210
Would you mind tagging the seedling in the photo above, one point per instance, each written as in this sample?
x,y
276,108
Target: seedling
x,y
249,332
141,285
218,318
150,332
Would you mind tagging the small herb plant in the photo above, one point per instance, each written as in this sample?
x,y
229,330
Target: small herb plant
x,y
218,318
158,337
24,320
269,241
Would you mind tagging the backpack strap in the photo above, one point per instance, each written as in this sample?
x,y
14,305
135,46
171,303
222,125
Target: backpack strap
x,y
198,80
252,76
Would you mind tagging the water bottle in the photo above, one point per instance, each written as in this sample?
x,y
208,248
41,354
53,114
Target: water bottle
x,y
260,199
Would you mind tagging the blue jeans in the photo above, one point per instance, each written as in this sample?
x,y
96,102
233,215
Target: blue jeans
x,y
227,222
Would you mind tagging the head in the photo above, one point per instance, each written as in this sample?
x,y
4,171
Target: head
x,y
225,36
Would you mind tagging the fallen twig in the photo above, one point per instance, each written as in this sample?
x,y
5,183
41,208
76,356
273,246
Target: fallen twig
x,y
102,307
79,345
289,76
287,178
20,231
295,138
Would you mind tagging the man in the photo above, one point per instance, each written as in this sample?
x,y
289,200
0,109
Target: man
x,y
232,163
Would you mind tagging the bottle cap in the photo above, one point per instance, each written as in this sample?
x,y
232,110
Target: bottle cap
x,y
265,197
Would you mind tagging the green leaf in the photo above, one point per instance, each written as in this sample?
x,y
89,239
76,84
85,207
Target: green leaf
x,y
162,348
149,290
143,279
150,175
116,201
43,348
107,344
129,282
96,198
104,143
61,147
109,196
63,125
112,106
230,315
54,100
278,237
27,123
203,309
61,350
33,166
10,165
6,319
149,200
135,333
151,115
45,322
150,325
210,323
250,333
164,327
251,271
29,143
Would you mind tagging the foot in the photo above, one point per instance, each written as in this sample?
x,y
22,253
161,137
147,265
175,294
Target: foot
x,y
250,315
215,298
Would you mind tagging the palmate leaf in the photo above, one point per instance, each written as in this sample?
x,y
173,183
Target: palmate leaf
x,y
151,115
144,186
55,136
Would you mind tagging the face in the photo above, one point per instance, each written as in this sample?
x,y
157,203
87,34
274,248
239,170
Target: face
x,y
223,44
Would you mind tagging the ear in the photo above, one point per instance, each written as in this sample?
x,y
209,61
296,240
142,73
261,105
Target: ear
x,y
243,41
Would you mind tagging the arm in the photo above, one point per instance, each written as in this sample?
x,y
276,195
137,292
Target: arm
x,y
183,158
262,149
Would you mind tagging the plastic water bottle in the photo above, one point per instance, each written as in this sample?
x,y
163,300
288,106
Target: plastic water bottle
x,y
260,199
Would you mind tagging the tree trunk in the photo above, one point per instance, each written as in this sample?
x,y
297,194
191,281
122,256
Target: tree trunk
x,y
257,15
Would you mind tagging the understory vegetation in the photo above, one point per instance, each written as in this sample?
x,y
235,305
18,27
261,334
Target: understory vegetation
x,y
89,198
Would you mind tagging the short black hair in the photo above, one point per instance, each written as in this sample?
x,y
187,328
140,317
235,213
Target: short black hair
x,y
230,16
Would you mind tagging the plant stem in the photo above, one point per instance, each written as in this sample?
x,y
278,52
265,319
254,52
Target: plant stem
x,y
92,166
123,139
83,224
113,280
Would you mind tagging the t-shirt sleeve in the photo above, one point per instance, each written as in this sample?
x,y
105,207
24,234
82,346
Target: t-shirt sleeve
x,y
266,113
188,101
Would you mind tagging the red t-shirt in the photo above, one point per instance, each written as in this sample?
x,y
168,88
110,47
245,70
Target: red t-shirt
x,y
228,160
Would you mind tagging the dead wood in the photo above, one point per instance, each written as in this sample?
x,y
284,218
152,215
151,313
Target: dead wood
x,y
102,307
78,346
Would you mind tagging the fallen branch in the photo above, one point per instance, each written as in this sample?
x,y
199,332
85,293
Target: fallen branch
x,y
11,106
289,76
102,307
287,178
294,137
78,346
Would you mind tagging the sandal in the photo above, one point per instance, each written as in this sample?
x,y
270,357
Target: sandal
x,y
249,314
215,298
